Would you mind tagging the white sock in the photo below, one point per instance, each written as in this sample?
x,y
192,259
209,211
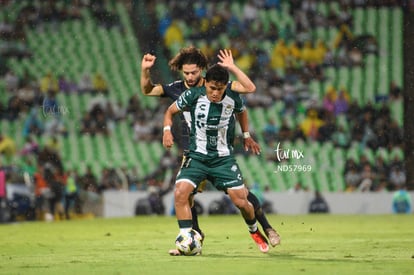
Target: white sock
x,y
185,230
252,227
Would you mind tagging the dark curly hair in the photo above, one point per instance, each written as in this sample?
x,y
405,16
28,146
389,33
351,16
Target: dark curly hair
x,y
188,55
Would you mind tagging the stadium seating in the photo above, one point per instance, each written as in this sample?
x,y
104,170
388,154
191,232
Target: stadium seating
x,y
75,47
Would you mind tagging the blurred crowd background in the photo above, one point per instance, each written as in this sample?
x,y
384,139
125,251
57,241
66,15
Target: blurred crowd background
x,y
74,123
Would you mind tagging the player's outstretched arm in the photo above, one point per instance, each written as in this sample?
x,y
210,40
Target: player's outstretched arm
x,y
243,84
147,87
167,137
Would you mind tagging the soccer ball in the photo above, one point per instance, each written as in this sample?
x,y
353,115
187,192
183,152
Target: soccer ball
x,y
189,244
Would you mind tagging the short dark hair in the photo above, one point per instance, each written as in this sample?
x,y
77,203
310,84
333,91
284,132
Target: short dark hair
x,y
218,74
188,55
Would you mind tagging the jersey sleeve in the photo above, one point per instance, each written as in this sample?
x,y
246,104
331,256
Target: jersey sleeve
x,y
186,99
239,106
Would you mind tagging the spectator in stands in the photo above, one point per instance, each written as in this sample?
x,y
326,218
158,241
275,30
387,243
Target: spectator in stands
x,y
397,177
270,131
117,111
103,16
29,166
173,35
285,132
85,84
368,177
298,187
49,85
13,109
308,54
294,57
298,134
329,99
352,179
72,199
30,147
27,95
53,144
142,130
42,192
7,147
133,107
341,103
109,180
65,85
345,16
250,12
56,185
50,106
318,204
381,168
343,38
311,124
102,124
100,86
55,126
341,138
88,181
48,156
401,201
327,129
394,91
11,81
395,135
331,17
355,57
87,124
278,55
32,124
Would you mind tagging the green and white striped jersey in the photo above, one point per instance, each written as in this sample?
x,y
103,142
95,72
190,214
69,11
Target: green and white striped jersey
x,y
212,124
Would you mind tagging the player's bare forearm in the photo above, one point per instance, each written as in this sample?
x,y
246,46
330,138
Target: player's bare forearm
x,y
147,87
243,121
167,137
146,83
249,143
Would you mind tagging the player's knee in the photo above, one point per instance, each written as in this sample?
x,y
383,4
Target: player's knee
x,y
182,193
241,203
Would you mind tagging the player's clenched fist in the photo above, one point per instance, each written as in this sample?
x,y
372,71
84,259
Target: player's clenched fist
x,y
148,61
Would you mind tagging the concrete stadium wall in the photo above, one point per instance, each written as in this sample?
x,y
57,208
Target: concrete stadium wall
x,y
122,203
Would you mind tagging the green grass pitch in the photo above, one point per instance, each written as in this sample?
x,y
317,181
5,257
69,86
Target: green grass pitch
x,y
311,244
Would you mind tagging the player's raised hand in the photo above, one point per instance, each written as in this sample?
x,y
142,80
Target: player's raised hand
x,y
251,145
226,58
148,61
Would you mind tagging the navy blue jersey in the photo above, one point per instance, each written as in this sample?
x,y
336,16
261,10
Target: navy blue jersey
x,y
173,91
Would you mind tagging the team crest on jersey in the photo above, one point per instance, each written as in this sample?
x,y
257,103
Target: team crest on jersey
x,y
234,168
228,110
213,141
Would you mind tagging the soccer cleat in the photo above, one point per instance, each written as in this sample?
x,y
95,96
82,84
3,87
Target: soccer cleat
x,y
273,236
260,240
202,236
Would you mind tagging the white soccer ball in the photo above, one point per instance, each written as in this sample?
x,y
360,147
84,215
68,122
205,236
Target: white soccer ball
x,y
189,244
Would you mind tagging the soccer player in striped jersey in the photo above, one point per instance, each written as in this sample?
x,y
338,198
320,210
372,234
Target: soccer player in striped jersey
x,y
210,156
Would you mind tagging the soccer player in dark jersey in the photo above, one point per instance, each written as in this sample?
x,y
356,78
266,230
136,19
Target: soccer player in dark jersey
x,y
191,62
